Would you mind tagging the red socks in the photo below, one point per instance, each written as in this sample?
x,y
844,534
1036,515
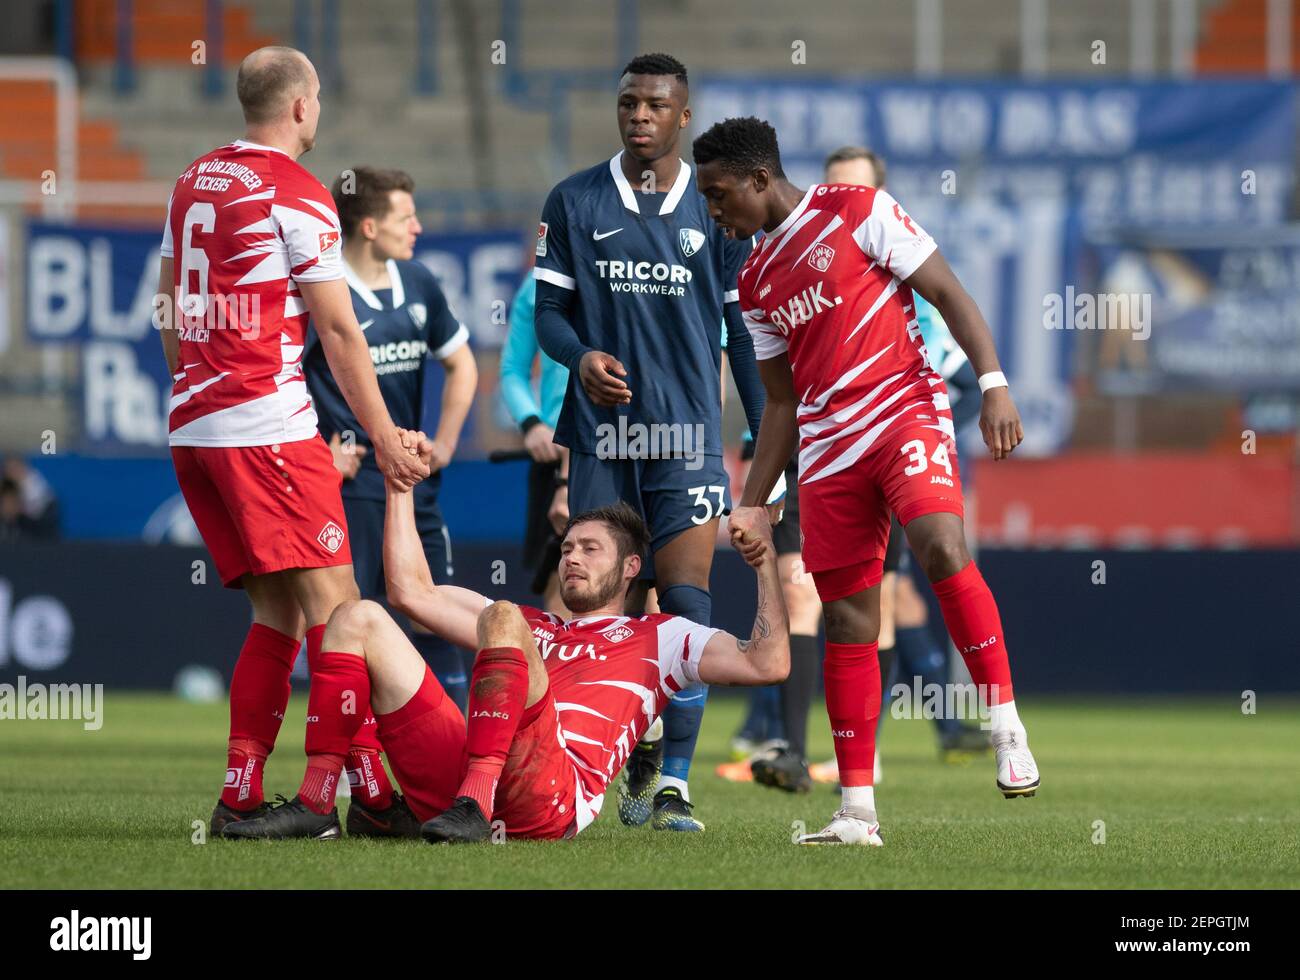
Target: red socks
x,y
971,615
367,777
852,674
259,694
497,696
339,700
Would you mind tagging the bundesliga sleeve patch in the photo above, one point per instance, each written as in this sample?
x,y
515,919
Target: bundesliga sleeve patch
x,y
328,239
541,240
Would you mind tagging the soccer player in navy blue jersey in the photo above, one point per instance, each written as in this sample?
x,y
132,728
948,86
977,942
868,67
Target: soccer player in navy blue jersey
x,y
407,322
633,283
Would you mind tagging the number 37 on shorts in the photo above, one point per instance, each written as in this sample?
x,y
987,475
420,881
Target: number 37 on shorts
x,y
709,502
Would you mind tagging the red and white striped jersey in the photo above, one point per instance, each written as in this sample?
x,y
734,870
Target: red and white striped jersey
x,y
245,223
611,676
827,287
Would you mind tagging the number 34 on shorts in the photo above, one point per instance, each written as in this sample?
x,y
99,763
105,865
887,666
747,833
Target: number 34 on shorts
x,y
920,459
920,473
920,465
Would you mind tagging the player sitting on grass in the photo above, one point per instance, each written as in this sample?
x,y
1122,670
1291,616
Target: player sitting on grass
x,y
555,707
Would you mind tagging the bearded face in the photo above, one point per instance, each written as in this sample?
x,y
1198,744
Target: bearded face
x,y
592,574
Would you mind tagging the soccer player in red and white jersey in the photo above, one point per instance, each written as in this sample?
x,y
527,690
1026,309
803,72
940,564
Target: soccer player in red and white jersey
x,y
555,706
827,297
251,246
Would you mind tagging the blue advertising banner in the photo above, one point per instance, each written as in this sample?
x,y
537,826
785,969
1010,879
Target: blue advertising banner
x,y
62,621
1223,312
94,287
1010,176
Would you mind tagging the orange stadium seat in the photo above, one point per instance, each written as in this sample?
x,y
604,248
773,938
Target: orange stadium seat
x,y
1234,39
160,33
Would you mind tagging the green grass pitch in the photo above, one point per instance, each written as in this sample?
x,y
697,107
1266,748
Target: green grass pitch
x,y
1192,793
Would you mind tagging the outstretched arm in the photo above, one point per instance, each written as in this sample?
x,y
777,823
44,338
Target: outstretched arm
x,y
765,657
778,435
744,366
330,305
166,322
999,420
446,610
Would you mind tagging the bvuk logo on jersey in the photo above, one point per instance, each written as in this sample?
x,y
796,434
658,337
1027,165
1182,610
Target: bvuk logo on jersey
x,y
690,240
418,312
821,257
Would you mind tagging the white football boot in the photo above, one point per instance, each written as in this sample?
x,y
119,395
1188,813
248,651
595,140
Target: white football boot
x,y
1017,771
848,826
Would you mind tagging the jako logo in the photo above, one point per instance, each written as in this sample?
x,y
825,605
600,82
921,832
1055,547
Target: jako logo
x,y
846,733
980,646
503,715
103,934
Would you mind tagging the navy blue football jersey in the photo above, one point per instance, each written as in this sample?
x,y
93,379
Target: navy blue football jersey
x,y
404,327
650,274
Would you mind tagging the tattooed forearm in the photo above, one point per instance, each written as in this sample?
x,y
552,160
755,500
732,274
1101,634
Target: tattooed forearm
x,y
762,624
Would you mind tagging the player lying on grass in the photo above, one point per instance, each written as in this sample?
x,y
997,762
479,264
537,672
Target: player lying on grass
x,y
555,707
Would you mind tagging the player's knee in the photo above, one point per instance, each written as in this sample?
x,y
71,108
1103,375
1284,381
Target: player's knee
x,y
351,621
943,554
801,602
501,624
848,623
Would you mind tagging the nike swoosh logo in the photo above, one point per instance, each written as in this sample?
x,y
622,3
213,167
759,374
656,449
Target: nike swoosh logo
x,y
597,236
367,323
1014,777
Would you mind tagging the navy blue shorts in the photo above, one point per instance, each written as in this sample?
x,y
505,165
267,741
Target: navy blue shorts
x,y
366,529
669,494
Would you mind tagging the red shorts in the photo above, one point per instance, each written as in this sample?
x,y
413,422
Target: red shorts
x,y
425,744
845,516
424,740
263,509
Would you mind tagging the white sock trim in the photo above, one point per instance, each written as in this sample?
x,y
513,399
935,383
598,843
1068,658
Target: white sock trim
x,y
862,799
672,782
1004,718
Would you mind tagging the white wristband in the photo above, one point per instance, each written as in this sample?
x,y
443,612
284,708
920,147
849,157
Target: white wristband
x,y
994,379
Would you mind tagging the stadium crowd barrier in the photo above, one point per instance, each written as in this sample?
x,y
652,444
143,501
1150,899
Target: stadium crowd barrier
x,y
132,616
